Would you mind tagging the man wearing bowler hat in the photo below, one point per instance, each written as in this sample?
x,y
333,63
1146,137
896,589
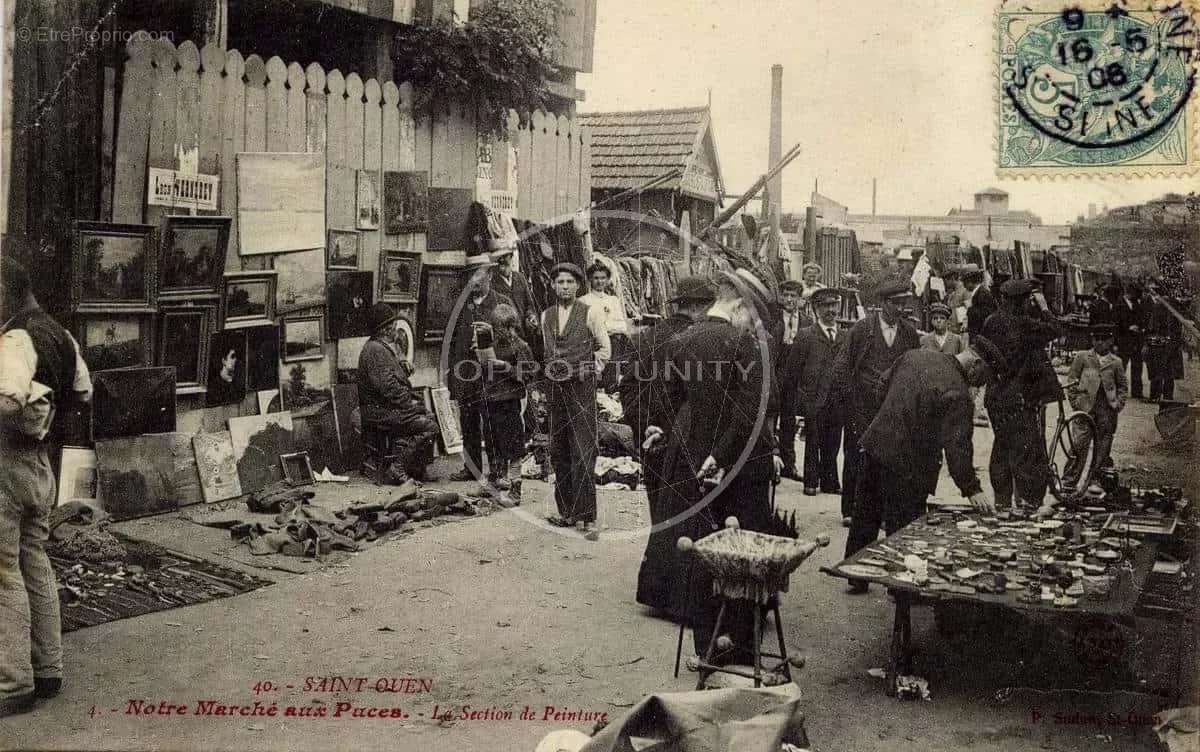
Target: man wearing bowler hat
x,y
576,349
388,402
875,343
472,330
647,401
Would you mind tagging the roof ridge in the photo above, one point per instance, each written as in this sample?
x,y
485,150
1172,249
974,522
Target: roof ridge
x,y
665,111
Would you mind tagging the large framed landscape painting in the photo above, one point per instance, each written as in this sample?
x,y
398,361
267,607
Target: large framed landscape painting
x,y
193,257
302,338
405,202
132,401
258,441
114,267
115,340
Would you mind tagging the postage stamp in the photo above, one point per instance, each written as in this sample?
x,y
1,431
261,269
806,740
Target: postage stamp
x,y
1097,87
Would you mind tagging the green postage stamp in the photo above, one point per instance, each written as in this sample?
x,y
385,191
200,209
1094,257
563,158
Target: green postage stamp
x,y
1097,88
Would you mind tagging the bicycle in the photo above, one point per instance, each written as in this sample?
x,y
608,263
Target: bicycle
x,y
1074,439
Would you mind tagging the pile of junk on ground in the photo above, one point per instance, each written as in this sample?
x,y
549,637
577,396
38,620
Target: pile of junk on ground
x,y
615,468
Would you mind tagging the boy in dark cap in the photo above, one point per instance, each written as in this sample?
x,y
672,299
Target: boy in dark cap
x,y
1097,386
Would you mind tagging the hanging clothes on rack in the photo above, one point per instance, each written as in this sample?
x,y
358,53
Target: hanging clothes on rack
x,y
631,293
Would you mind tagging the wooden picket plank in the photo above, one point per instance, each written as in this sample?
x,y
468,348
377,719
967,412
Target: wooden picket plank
x,y
335,118
256,104
369,240
163,123
562,165
233,140
442,172
422,141
406,146
523,141
545,136
297,127
212,58
277,116
389,127
463,156
585,167
354,121
187,107
315,113
133,134
574,200
108,137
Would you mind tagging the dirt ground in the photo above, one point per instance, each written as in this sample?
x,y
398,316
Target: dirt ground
x,y
497,613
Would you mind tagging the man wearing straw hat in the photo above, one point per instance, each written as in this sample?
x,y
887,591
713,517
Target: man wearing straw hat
x,y
472,331
576,349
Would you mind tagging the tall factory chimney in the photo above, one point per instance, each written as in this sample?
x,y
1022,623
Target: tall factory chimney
x,y
775,149
874,187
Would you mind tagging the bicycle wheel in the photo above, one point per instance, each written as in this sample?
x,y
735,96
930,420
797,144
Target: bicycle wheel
x,y
1074,446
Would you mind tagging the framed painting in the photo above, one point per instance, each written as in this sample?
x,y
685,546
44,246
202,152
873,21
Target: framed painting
x,y
262,358
77,476
399,276
449,210
297,469
447,419
367,199
349,296
258,441
115,340
248,299
114,267
192,257
441,286
302,338
341,249
226,379
217,465
132,401
405,202
142,475
183,334
301,280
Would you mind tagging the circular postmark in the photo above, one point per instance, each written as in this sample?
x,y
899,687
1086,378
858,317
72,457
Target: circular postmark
x,y
1114,79
1098,643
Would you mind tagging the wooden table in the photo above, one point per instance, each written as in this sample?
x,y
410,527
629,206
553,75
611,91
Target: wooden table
x,y
1121,601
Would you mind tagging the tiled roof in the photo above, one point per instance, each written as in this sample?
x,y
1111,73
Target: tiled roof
x,y
632,148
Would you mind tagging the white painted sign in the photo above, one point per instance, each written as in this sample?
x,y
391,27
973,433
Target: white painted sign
x,y
175,189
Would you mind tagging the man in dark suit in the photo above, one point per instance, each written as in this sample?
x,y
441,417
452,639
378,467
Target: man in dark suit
x,y
811,361
792,321
1130,316
873,345
981,302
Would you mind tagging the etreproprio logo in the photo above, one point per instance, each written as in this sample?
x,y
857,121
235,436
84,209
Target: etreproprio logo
x,y
637,220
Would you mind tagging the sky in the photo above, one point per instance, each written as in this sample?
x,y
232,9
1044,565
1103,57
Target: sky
x,y
901,92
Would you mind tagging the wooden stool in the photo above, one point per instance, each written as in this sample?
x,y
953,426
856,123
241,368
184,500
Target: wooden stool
x,y
380,452
746,566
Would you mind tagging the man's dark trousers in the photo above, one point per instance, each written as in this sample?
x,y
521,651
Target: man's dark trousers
x,y
822,434
470,417
572,404
787,441
884,499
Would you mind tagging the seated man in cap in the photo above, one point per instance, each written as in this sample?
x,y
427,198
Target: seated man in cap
x,y
811,361
1016,398
387,401
874,344
795,318
941,338
1097,386
576,349
927,411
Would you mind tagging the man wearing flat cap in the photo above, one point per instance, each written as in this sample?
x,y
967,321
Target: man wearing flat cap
x,y
473,331
647,401
794,319
1017,396
576,348
927,411
875,343
941,338
811,360
388,403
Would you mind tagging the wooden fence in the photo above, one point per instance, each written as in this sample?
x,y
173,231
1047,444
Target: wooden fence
x,y
183,106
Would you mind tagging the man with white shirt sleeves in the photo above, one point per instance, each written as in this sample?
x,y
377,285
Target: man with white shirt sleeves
x,y
40,372
612,310
577,347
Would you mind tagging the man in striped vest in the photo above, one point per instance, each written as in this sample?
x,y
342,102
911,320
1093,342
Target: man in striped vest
x,y
576,347
41,371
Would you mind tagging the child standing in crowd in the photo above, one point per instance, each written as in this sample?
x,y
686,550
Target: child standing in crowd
x,y
505,377
1098,387
941,338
